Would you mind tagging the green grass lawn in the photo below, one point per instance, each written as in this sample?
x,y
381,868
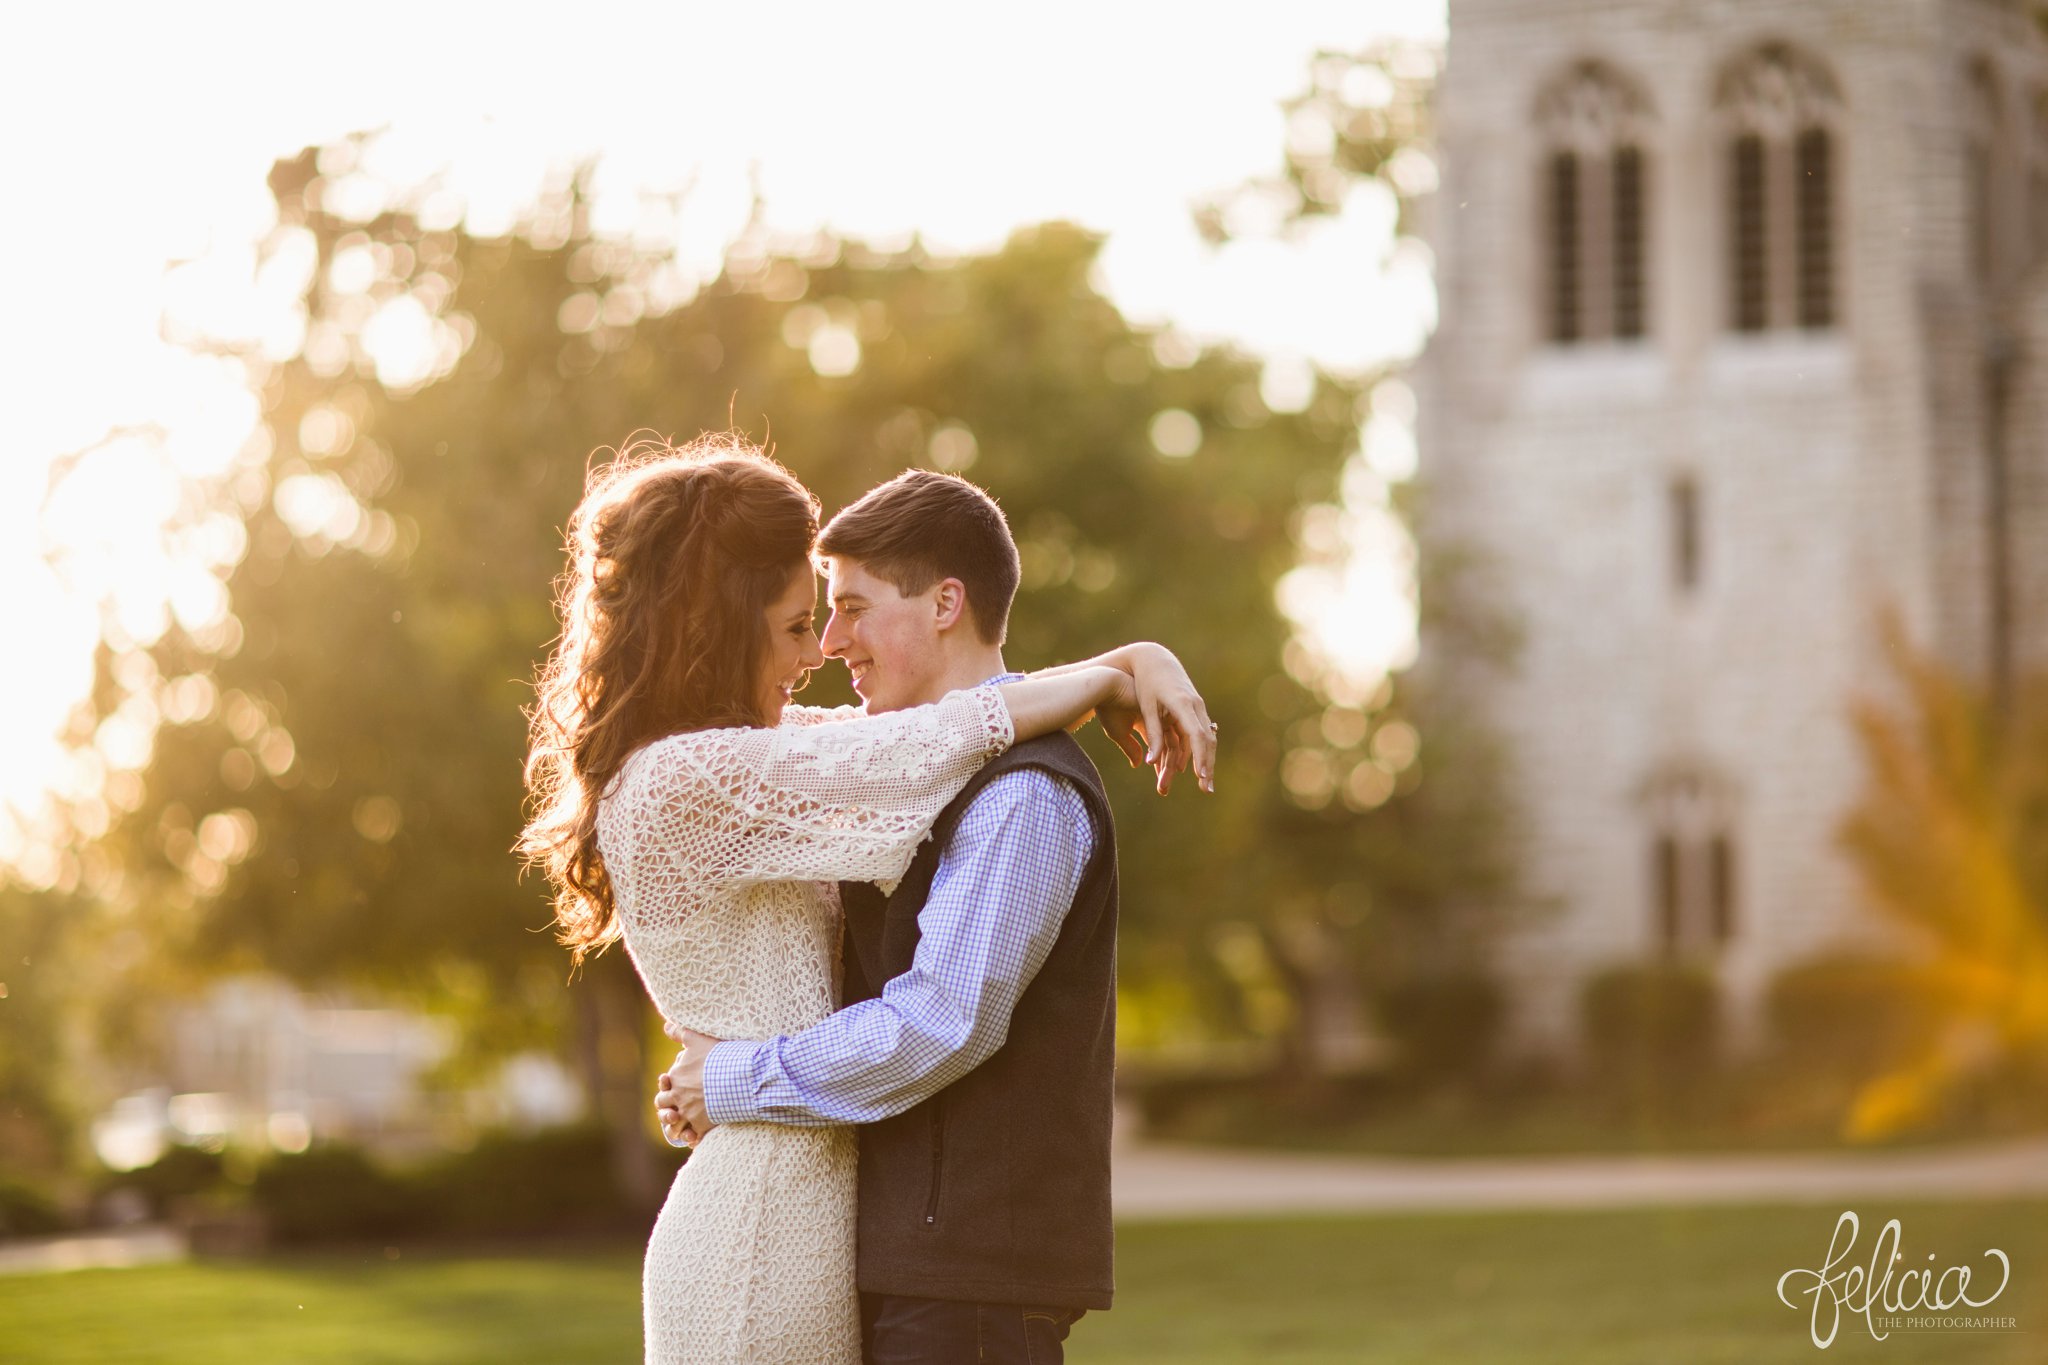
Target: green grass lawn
x,y
1680,1287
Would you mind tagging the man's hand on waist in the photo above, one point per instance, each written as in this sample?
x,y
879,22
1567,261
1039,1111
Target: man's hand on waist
x,y
679,1095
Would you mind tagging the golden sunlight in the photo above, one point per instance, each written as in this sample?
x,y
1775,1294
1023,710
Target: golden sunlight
x,y
156,247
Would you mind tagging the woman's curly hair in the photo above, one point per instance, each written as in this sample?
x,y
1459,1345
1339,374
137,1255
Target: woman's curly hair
x,y
675,556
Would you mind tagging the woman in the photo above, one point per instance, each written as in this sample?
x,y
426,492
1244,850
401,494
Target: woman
x,y
686,806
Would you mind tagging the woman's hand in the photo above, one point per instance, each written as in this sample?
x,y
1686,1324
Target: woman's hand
x,y
1146,702
1160,720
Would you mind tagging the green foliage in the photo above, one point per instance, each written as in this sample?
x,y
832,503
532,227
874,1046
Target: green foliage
x,y
1847,1013
1364,116
558,1180
29,1211
555,1181
1440,882
1652,1030
399,675
370,685
1445,1025
332,1192
343,804
180,1174
47,955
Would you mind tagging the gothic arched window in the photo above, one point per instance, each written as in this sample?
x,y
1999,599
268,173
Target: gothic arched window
x,y
2037,178
2007,165
1692,882
1594,124
1685,532
1980,155
1781,119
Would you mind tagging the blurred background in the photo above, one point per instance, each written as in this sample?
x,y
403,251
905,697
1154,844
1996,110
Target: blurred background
x,y
1593,456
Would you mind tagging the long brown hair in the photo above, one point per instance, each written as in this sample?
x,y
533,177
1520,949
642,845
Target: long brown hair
x,y
675,556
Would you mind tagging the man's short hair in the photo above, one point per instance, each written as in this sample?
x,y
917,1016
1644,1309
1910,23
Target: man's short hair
x,y
921,527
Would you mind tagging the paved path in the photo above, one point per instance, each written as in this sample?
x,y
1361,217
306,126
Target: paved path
x,y
91,1250
1160,1182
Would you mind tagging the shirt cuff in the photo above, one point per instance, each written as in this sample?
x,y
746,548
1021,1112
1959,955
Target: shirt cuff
x,y
729,1082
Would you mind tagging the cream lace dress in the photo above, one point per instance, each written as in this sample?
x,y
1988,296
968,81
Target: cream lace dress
x,y
722,847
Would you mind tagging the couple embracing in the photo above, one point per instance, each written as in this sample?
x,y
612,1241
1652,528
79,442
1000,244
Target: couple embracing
x,y
885,934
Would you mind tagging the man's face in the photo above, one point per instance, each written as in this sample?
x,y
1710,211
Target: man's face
x,y
890,642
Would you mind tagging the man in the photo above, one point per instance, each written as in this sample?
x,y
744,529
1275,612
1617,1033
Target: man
x,y
977,1044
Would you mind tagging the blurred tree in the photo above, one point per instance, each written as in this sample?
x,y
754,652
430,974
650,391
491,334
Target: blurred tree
x,y
1363,118
1434,865
38,1092
335,785
1951,839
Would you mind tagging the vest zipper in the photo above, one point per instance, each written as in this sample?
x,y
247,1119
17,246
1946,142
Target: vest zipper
x,y
931,1207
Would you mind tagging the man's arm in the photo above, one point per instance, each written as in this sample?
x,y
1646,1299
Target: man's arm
x,y
1000,893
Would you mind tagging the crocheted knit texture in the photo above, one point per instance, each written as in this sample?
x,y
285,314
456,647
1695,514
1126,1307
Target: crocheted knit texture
x,y
722,847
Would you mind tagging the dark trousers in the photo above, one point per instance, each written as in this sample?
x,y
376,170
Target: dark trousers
x,y
898,1330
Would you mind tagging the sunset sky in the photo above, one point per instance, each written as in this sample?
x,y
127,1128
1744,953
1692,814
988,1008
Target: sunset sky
x,y
140,135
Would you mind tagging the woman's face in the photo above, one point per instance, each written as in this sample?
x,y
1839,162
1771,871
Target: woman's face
x,y
792,643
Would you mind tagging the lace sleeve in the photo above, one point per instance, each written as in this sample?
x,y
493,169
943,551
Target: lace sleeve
x,y
794,715
840,799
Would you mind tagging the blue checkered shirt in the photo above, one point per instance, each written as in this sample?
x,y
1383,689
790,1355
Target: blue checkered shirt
x,y
1004,882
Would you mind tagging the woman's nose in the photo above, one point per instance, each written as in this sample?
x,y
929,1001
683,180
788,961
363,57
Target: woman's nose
x,y
813,655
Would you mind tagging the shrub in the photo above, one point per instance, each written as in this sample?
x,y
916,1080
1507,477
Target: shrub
x,y
1652,1030
179,1174
333,1191
1445,1024
28,1212
555,1180
1847,1013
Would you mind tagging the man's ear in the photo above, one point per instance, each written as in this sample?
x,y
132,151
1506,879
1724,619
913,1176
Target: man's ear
x,y
949,599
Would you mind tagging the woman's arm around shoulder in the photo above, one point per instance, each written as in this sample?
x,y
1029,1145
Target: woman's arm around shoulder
x,y
837,799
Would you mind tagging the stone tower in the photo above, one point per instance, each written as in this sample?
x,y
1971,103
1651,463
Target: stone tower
x,y
1742,332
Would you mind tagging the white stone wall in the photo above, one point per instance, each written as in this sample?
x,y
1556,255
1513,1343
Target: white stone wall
x,y
1839,472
